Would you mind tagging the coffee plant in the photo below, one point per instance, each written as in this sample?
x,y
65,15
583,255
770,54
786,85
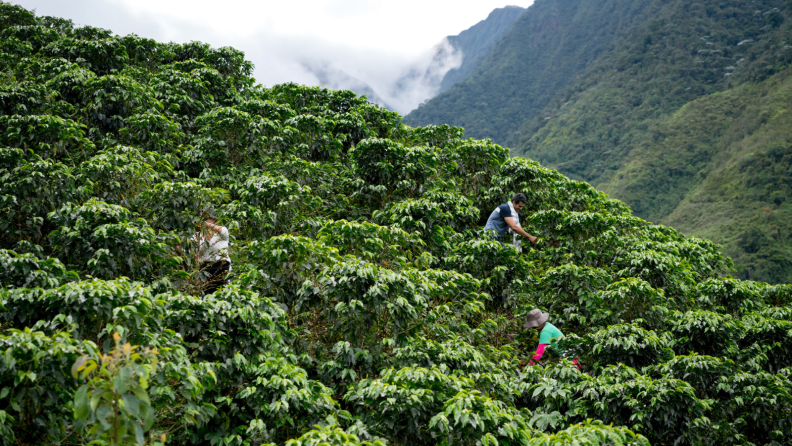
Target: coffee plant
x,y
364,306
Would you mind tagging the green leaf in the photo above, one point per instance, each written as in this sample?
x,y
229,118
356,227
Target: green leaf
x,y
81,407
139,434
131,404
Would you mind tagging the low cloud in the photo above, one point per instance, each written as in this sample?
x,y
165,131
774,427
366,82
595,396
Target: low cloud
x,y
396,80
399,84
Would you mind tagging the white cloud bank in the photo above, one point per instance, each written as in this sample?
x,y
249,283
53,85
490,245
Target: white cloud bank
x,y
340,43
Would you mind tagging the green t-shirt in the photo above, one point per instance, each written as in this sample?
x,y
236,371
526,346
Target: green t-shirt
x,y
549,332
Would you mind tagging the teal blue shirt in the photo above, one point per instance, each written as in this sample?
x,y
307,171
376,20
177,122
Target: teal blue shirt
x,y
549,332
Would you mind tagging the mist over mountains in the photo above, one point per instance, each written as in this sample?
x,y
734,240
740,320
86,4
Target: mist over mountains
x,y
680,109
475,42
448,62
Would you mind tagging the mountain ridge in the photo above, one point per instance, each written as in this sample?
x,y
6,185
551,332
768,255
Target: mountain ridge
x,y
514,93
476,41
448,62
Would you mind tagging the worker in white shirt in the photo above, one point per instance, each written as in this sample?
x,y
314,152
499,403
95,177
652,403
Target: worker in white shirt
x,y
212,250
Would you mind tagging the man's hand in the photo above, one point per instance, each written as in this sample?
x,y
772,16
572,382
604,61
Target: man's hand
x,y
510,221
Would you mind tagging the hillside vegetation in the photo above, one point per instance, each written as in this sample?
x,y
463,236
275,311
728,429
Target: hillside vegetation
x,y
363,307
475,42
639,118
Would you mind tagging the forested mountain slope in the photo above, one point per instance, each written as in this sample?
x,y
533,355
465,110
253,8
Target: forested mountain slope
x,y
363,306
475,42
721,168
453,58
548,45
632,124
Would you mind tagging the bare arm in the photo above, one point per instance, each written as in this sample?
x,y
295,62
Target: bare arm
x,y
212,227
510,221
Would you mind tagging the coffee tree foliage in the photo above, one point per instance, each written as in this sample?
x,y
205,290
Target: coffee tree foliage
x,y
364,306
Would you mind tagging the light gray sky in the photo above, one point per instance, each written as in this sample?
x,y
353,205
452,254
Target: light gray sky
x,y
373,41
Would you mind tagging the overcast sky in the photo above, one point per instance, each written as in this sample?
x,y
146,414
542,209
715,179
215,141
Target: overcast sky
x,y
371,40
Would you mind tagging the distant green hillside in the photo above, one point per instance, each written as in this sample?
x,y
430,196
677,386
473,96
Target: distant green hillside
x,y
476,41
741,197
537,58
641,119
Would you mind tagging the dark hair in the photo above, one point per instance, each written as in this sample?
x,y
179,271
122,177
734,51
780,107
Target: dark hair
x,y
519,198
209,213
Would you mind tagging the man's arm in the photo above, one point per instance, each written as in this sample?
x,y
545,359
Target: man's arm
x,y
212,227
510,221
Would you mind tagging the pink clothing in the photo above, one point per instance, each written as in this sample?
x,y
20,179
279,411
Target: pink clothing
x,y
540,351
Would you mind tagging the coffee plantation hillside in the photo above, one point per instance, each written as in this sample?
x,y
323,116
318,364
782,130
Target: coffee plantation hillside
x,y
363,308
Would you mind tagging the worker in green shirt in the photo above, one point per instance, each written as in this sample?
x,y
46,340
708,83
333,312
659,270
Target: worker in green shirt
x,y
548,333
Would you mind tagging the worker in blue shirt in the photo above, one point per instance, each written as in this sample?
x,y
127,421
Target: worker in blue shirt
x,y
506,217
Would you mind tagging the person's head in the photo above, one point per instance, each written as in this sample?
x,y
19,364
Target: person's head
x,y
519,201
536,319
208,214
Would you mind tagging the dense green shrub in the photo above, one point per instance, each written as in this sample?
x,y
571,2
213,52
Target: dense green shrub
x,y
282,264
383,162
772,337
98,308
228,136
759,401
364,302
29,193
626,300
571,290
14,15
453,354
704,332
429,214
626,344
662,271
49,136
314,139
100,56
331,435
218,326
28,271
590,433
496,265
120,174
663,410
703,373
37,386
729,295
184,97
175,206
68,79
109,100
151,131
384,244
106,241
417,394
22,99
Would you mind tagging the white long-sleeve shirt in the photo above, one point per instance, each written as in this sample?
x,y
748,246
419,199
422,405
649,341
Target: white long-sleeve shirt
x,y
214,249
